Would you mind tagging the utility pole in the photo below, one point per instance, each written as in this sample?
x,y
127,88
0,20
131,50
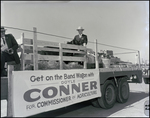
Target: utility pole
x,y
139,59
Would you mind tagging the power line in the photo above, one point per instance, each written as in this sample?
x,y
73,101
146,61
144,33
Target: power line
x,y
38,32
124,53
68,38
54,35
117,47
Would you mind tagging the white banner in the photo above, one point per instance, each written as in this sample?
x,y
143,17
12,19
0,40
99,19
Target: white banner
x,y
45,90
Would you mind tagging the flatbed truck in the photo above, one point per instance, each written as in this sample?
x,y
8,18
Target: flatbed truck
x,y
28,94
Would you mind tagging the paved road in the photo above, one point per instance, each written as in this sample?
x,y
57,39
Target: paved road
x,y
134,107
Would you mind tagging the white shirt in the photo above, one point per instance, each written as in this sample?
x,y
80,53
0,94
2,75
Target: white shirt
x,y
3,46
80,35
2,41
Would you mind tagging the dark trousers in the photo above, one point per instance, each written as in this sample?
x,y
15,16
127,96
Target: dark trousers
x,y
5,57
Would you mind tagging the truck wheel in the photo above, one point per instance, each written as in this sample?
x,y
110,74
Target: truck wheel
x,y
95,103
123,90
108,98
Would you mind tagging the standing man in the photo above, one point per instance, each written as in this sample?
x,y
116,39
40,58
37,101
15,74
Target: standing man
x,y
80,39
9,48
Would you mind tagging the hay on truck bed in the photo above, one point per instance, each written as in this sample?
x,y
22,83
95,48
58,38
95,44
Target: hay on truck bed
x,y
51,65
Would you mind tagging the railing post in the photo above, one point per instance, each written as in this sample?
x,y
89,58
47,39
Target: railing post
x,y
60,56
85,61
10,87
22,53
35,56
96,58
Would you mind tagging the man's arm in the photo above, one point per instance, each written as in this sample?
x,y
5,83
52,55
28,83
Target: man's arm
x,y
14,42
85,40
72,42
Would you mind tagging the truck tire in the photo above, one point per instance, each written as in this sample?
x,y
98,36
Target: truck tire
x,y
95,103
108,98
123,90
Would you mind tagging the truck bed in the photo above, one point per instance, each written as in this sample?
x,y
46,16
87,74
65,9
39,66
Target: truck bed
x,y
106,73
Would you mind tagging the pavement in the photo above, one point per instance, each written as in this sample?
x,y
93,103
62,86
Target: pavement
x,y
134,110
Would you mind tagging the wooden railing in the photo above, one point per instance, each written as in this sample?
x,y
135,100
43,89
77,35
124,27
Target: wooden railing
x,y
32,50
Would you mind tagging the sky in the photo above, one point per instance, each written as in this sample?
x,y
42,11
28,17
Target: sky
x,y
118,23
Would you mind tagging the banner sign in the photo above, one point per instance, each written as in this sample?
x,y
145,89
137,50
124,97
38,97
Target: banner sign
x,y
39,91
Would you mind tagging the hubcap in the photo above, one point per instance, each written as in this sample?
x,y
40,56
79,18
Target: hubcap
x,y
109,95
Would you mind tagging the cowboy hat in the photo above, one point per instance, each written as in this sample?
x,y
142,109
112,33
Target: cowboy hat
x,y
80,28
2,29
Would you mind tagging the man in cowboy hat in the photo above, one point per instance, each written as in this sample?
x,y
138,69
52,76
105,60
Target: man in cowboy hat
x,y
80,39
9,48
